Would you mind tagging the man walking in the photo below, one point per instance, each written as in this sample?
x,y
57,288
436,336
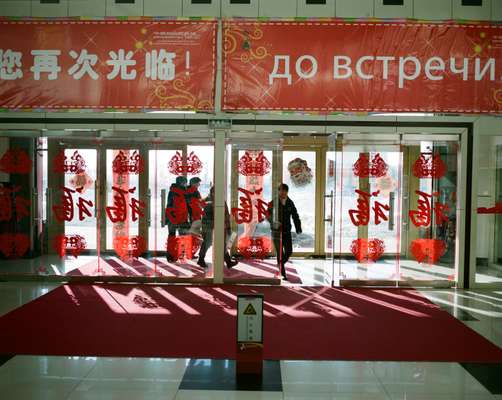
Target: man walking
x,y
281,230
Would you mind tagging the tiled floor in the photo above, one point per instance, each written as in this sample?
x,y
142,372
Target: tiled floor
x,y
33,377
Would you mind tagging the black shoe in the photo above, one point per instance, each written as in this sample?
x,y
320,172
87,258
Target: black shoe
x,y
202,263
285,277
232,263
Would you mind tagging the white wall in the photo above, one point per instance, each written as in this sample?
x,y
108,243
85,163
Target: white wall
x,y
422,9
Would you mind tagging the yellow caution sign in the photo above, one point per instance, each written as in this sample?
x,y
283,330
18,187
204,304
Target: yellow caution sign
x,y
250,310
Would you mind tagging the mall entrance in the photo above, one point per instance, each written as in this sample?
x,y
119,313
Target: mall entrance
x,y
375,209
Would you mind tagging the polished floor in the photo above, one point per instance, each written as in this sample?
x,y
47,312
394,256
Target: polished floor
x,y
310,272
33,377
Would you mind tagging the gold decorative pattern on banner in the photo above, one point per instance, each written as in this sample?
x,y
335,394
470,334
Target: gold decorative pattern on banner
x,y
234,37
175,95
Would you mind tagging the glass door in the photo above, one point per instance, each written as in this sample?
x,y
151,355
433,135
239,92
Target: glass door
x,y
395,208
368,210
254,234
73,231
179,186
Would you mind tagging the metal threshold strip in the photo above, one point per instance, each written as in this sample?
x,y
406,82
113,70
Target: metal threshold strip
x,y
415,283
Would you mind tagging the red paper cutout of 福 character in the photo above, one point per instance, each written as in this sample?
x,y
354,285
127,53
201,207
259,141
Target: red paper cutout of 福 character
x,y
190,165
118,212
124,165
75,244
74,165
428,250
178,213
66,210
15,161
183,247
365,250
361,215
244,214
14,245
429,166
129,246
254,164
10,202
422,216
363,168
254,247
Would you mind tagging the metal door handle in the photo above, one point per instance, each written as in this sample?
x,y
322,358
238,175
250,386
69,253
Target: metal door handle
x,y
331,197
148,207
163,208
391,210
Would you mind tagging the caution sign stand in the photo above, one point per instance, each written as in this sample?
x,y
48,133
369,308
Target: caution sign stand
x,y
249,360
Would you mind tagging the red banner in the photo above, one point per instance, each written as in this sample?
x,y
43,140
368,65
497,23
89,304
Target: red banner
x,y
330,66
131,64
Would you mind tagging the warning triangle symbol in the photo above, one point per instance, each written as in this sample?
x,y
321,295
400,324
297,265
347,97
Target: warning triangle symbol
x,y
249,310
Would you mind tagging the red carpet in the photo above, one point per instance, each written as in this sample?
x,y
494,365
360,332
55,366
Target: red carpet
x,y
246,269
198,322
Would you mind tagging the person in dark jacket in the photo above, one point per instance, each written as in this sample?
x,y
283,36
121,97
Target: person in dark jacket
x,y
207,231
193,199
177,211
281,230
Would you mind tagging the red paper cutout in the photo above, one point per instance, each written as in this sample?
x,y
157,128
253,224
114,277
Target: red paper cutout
x,y
15,161
422,216
179,165
66,210
10,202
74,244
361,215
367,250
428,250
124,165
254,247
496,209
245,214
429,166
75,165
364,169
82,181
14,245
128,247
254,166
183,247
118,212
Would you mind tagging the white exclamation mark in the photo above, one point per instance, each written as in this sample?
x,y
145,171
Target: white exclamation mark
x,y
187,58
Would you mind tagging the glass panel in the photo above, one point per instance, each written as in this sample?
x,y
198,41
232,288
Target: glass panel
x,y
180,180
299,173
368,210
397,212
429,229
489,208
254,230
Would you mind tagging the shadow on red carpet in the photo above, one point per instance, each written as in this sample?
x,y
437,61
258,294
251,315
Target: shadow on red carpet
x,y
316,323
246,269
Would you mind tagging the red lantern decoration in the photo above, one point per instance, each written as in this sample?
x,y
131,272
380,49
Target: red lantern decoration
x,y
254,164
124,165
128,247
363,168
429,166
428,250
365,250
74,165
14,245
179,165
254,247
15,161
74,244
